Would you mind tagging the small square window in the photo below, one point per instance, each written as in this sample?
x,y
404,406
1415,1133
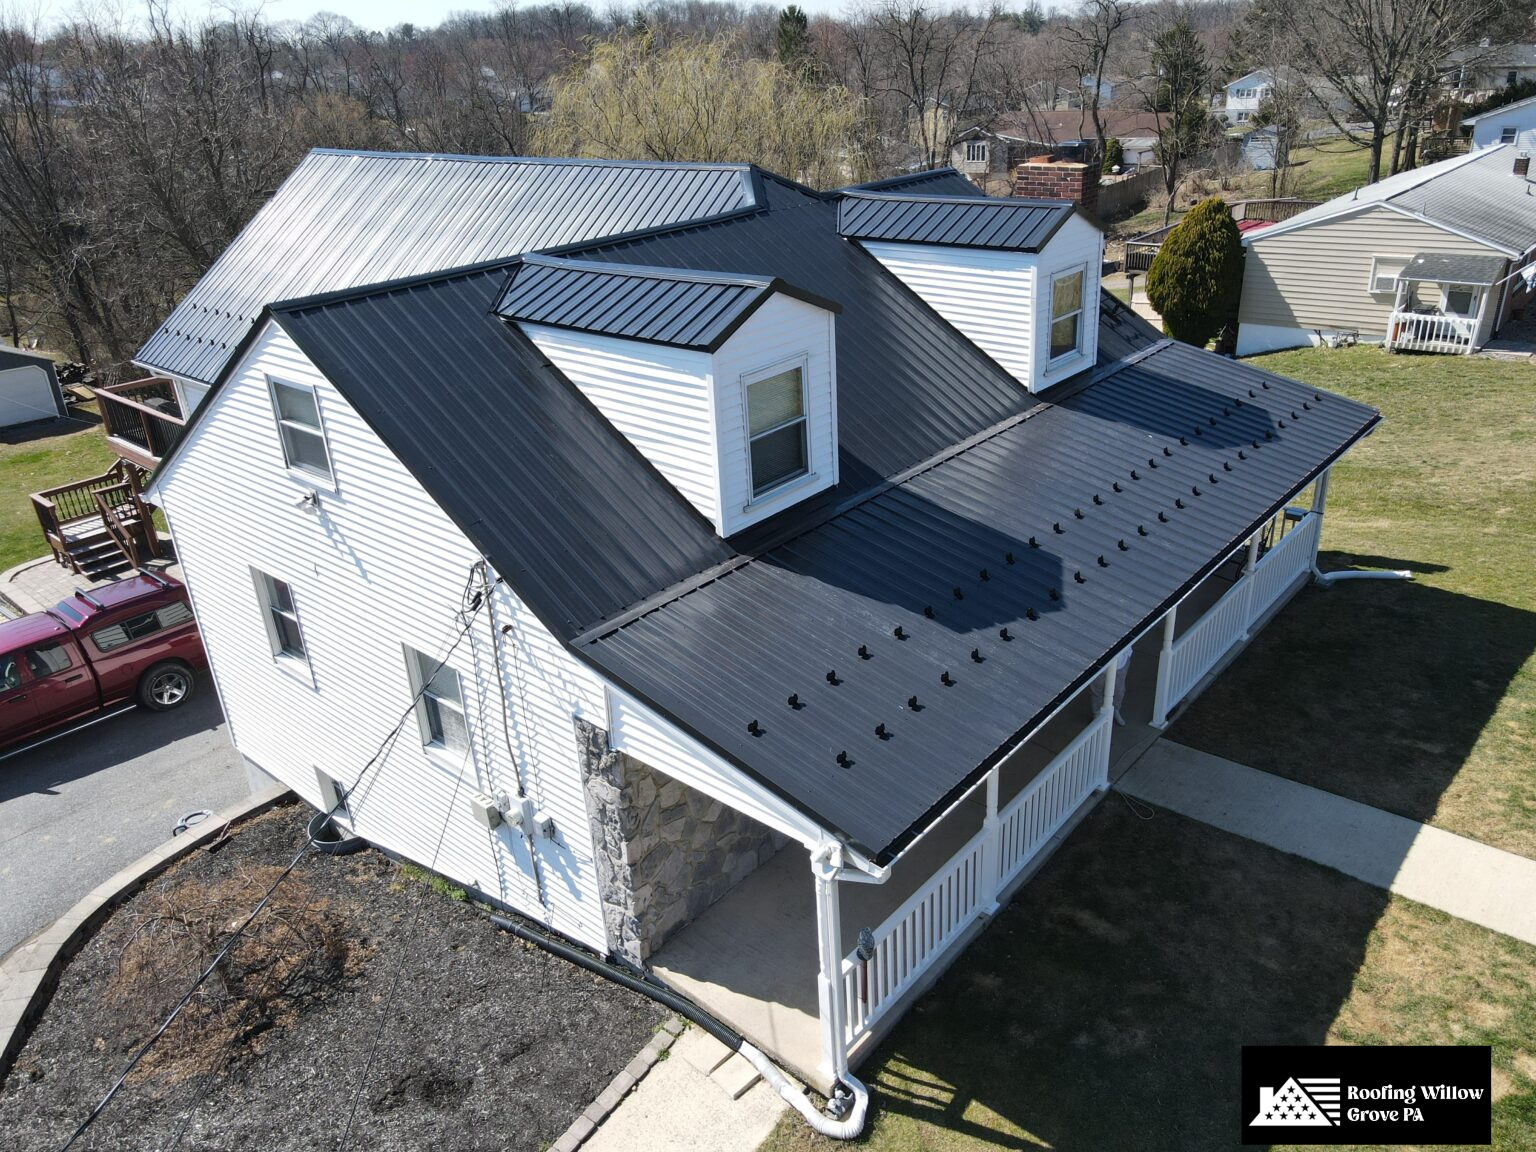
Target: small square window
x,y
439,702
282,618
1507,134
300,429
1384,273
776,429
1066,314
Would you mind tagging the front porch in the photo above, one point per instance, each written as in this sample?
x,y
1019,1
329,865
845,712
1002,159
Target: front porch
x,y
1442,303
815,968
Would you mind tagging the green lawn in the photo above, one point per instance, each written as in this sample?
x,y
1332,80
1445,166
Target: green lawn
x,y
1416,697
1105,1008
36,457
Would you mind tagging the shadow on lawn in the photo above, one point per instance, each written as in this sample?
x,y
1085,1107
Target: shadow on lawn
x,y
1374,690
77,421
1107,1006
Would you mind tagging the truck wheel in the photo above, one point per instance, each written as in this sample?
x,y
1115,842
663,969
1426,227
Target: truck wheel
x,y
165,686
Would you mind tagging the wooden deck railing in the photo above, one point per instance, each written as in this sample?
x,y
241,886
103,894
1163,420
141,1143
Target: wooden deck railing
x,y
71,504
142,419
1275,210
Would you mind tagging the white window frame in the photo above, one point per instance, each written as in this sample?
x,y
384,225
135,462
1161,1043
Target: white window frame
x,y
1474,293
1508,133
1401,262
266,594
789,483
1052,362
304,471
416,664
976,152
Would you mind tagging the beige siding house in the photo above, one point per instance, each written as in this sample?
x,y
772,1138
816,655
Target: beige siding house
x,y
1429,260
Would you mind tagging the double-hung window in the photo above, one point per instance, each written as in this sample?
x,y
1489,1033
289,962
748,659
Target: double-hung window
x,y
439,702
1507,134
282,618
300,429
776,425
1066,313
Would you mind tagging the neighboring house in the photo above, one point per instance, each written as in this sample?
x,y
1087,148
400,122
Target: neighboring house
x,y
1511,124
747,580
1431,259
29,387
1245,94
1477,72
989,153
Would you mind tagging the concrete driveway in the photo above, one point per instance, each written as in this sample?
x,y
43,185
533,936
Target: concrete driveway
x,y
75,811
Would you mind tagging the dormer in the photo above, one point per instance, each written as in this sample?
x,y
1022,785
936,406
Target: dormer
x,y
1019,277
727,384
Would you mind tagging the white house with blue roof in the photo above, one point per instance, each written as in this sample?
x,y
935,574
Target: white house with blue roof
x,y
732,579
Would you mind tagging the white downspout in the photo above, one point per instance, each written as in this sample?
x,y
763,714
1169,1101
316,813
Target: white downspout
x,y
1325,579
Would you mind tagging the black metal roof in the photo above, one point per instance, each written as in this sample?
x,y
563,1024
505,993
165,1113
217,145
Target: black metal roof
x,y
948,467
343,219
963,221
1011,570
570,513
1482,269
933,182
679,308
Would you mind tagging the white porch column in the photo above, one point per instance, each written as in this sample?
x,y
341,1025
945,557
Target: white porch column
x,y
1160,697
1105,719
1247,578
991,854
829,981
1319,503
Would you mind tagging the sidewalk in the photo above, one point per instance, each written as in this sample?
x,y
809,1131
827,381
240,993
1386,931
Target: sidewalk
x,y
701,1098
1487,886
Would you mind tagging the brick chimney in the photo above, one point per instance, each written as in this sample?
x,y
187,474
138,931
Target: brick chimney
x,y
1523,165
1044,178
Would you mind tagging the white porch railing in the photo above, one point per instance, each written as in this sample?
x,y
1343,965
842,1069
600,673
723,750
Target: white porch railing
x,y
917,934
1034,815
1196,652
1417,332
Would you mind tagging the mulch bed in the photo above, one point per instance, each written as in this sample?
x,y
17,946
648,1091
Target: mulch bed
x,y
487,1042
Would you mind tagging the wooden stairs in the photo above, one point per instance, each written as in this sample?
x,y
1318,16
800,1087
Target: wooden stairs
x,y
100,527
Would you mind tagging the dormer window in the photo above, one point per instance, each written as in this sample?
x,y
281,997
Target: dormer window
x,y
726,383
776,425
1066,313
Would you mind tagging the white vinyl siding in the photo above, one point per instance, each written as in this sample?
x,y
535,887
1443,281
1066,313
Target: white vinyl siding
x,y
657,397
1002,300
783,333
984,293
376,566
1319,277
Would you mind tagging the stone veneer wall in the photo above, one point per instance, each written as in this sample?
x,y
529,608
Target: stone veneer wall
x,y
665,852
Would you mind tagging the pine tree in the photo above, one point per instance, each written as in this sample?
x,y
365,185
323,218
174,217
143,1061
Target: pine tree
x,y
1197,274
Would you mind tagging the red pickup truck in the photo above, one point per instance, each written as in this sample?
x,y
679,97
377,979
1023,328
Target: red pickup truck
x,y
133,641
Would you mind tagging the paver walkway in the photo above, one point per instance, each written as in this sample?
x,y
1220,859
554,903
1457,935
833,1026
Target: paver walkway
x,y
1487,886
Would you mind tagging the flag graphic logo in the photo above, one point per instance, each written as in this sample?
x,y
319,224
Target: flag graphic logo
x,y
1299,1103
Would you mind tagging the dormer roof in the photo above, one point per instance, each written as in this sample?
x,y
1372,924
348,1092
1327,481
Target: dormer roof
x,y
680,308
1015,224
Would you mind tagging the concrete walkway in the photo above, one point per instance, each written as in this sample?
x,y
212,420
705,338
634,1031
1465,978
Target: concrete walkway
x,y
1485,885
701,1098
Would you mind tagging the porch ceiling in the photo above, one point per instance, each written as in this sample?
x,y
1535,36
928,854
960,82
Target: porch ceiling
x,y
984,589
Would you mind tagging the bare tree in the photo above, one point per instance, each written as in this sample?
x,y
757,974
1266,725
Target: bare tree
x,y
1087,43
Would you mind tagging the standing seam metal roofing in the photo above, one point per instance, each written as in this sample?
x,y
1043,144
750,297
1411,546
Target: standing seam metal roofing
x,y
346,219
684,309
1011,570
968,222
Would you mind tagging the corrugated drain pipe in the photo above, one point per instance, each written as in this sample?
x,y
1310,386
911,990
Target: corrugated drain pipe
x,y
846,1111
